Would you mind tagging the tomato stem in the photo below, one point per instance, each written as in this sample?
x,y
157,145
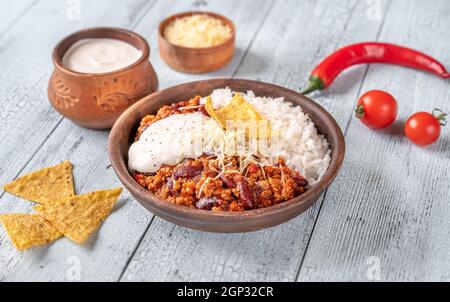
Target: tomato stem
x,y
360,111
440,116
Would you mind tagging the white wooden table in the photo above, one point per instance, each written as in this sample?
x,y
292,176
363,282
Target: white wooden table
x,y
386,217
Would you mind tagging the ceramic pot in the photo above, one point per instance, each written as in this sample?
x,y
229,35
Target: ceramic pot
x,y
97,100
196,60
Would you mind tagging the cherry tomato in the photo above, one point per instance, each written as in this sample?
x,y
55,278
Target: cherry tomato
x,y
377,109
424,128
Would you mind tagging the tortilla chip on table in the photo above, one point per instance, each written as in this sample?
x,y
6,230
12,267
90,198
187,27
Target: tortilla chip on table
x,y
45,185
29,230
79,216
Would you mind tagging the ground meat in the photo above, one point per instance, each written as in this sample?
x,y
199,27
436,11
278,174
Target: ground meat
x,y
196,183
229,192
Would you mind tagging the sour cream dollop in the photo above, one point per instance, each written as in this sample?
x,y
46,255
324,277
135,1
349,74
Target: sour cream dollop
x,y
170,140
100,55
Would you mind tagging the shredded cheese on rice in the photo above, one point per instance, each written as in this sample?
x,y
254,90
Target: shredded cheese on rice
x,y
300,144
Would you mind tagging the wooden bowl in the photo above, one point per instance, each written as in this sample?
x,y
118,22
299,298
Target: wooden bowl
x,y
196,60
96,100
122,134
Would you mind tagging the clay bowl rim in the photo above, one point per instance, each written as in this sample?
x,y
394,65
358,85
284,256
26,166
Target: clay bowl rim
x,y
120,167
210,49
84,34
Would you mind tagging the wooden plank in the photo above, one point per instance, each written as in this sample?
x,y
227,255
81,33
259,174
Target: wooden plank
x,y
25,128
294,37
12,11
386,217
105,257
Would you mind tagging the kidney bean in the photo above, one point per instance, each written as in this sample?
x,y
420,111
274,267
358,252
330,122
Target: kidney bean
x,y
246,196
206,203
228,181
170,184
185,171
300,181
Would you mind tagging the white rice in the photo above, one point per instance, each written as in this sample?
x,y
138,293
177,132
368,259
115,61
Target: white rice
x,y
301,146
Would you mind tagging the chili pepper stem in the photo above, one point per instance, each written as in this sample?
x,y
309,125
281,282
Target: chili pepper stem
x,y
440,116
315,83
360,111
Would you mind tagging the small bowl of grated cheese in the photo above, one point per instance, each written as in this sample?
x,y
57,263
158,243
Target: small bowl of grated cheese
x,y
197,42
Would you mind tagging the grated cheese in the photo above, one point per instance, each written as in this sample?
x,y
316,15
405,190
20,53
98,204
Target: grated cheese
x,y
200,192
197,31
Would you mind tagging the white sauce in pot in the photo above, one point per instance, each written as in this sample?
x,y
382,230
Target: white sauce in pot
x,y
170,140
100,55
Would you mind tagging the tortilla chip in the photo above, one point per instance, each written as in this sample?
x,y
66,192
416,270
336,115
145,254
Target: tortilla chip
x,y
239,110
46,185
210,109
79,216
29,230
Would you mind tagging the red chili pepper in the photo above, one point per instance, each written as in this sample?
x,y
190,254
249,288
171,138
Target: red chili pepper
x,y
370,52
